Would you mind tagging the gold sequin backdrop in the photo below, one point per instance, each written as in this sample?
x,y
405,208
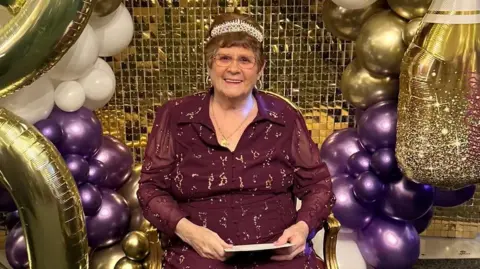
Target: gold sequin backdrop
x,y
165,61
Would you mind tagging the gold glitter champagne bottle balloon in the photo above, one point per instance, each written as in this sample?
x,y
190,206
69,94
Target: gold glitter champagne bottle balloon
x,y
438,128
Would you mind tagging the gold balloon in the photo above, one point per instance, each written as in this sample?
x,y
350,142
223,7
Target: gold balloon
x,y
346,23
106,7
438,129
410,30
362,89
380,46
48,202
35,39
410,9
136,245
138,221
130,188
126,263
107,258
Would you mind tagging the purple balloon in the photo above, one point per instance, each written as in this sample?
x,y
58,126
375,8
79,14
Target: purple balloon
x,y
97,172
384,162
91,199
451,198
358,163
7,204
78,166
12,219
16,248
117,160
349,212
50,129
368,188
387,243
82,131
407,200
111,222
377,127
338,147
422,223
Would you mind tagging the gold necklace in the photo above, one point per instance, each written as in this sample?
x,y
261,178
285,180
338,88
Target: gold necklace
x,y
224,142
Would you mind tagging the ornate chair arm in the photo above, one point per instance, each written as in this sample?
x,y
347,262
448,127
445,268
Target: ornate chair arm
x,y
332,227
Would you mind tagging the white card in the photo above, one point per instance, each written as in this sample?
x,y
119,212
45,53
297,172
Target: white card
x,y
256,247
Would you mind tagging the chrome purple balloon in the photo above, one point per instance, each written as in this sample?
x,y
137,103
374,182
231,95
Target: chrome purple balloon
x,y
422,223
16,248
97,172
387,243
91,199
358,163
377,127
50,129
12,219
407,200
338,147
451,198
111,222
384,162
82,131
78,167
347,209
368,188
117,160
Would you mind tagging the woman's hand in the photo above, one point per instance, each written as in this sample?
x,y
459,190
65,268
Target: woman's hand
x,y
297,236
205,242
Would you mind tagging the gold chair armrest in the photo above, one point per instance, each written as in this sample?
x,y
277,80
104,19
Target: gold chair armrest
x,y
332,227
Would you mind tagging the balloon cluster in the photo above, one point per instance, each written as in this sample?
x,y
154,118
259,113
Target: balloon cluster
x,y
60,104
102,168
386,210
81,78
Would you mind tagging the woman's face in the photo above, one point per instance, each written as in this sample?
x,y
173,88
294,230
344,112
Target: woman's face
x,y
234,71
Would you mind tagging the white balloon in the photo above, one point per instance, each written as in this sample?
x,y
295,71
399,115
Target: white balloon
x,y
347,251
98,87
102,65
354,4
115,32
69,96
33,102
79,59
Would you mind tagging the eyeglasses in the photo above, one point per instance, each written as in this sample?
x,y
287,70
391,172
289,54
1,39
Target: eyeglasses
x,y
243,62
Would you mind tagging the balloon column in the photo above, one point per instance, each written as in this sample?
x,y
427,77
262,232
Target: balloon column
x,y
60,104
387,210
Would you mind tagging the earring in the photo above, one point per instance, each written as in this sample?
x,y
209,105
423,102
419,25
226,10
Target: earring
x,y
260,87
208,81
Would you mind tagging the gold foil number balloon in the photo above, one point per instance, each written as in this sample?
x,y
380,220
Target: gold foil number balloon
x,y
35,39
48,202
411,9
126,263
380,46
438,134
346,23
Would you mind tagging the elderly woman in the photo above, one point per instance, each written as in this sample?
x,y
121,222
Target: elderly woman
x,y
224,168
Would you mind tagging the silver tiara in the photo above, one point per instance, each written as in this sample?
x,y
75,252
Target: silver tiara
x,y
236,26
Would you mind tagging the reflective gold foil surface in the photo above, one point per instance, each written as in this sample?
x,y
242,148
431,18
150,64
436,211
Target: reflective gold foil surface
x,y
305,64
438,132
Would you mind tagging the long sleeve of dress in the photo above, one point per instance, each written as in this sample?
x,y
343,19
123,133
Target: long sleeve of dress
x,y
158,206
312,185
